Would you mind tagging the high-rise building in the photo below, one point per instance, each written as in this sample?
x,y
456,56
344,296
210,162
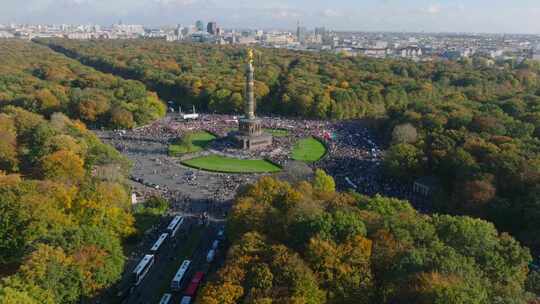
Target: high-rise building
x,y
320,31
199,25
301,33
212,28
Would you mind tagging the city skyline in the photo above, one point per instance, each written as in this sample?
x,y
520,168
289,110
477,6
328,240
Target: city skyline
x,y
480,16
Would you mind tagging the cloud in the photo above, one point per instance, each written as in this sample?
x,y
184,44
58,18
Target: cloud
x,y
331,13
173,2
285,14
433,9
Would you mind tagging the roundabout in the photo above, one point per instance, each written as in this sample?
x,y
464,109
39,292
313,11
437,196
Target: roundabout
x,y
251,146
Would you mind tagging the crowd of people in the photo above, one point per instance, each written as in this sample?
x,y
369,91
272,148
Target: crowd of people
x,y
354,159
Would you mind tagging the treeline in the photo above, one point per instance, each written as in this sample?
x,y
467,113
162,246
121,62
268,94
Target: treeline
x,y
474,125
307,243
42,81
64,208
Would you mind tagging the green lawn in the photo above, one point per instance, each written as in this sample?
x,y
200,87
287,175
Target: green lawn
x,y
218,163
308,150
200,141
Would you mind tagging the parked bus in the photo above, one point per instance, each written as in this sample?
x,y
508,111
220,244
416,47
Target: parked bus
x,y
159,243
186,300
175,224
166,299
142,268
194,284
176,283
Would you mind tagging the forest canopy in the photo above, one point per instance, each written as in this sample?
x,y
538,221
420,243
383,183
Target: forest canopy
x,y
64,209
306,243
42,81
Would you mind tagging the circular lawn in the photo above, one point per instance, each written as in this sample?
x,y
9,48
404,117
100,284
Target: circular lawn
x,y
217,163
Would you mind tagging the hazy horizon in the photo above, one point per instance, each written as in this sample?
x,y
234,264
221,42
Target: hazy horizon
x,y
475,16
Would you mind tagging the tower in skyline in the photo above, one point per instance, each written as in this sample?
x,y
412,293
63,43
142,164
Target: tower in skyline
x,y
212,28
300,33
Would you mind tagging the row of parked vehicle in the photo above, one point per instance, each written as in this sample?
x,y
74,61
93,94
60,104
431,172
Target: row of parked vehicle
x,y
146,263
180,278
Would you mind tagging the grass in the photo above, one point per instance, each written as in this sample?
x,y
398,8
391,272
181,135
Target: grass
x,y
308,150
200,141
218,163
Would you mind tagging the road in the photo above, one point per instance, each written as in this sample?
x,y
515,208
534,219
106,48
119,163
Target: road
x,y
192,243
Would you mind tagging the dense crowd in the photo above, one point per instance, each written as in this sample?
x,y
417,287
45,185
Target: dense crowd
x,y
354,158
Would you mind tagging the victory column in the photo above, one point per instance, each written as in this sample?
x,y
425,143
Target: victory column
x,y
251,135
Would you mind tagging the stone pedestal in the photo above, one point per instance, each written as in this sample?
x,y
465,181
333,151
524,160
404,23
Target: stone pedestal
x,y
250,135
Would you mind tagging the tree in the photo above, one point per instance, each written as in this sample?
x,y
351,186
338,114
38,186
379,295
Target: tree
x,y
13,226
91,107
404,134
51,269
404,161
323,182
14,290
47,101
122,119
477,193
63,166
226,293
8,144
533,282
344,268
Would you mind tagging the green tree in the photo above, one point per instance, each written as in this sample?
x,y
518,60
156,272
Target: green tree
x,y
404,161
323,182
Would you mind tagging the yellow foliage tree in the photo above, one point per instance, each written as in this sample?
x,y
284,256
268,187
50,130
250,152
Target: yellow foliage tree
x,y
63,166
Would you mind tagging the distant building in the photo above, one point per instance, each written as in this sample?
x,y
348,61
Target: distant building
x,y
321,31
212,28
5,35
199,25
410,52
188,30
536,53
373,52
301,33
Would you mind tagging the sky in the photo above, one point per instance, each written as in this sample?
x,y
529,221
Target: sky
x,y
486,16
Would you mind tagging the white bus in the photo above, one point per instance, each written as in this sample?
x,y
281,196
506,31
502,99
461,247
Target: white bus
x,y
142,268
185,300
175,224
166,299
180,275
158,244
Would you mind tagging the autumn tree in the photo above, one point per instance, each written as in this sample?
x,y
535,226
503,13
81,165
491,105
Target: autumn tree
x,y
63,165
